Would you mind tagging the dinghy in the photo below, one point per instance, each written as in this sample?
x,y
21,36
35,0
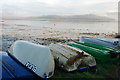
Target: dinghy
x,y
36,58
10,69
105,42
114,41
113,52
101,55
70,58
97,46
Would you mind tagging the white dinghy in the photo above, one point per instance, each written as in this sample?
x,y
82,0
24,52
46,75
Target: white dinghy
x,y
70,58
37,58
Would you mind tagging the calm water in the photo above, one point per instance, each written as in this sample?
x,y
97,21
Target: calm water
x,y
101,27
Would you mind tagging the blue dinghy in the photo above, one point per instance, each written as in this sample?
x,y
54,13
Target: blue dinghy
x,y
114,41
101,41
26,60
13,70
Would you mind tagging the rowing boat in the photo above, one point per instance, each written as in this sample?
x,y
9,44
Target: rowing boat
x,y
10,69
70,58
37,58
101,55
101,41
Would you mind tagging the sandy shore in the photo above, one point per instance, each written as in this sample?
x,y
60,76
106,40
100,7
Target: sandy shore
x,y
41,35
6,40
26,30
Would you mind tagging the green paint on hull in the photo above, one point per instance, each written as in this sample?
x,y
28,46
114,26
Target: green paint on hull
x,y
100,55
97,46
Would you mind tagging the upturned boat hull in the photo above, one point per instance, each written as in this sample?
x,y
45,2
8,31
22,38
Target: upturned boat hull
x,y
70,58
105,42
115,53
10,69
36,58
103,56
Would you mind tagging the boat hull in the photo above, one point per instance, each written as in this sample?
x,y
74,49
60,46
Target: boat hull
x,y
71,59
100,55
98,41
32,57
13,70
115,53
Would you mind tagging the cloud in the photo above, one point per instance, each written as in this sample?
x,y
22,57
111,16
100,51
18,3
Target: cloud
x,y
25,8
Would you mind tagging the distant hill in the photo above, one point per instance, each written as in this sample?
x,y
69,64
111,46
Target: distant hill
x,y
88,17
113,15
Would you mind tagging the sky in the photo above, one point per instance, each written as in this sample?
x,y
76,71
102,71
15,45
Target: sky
x,y
30,8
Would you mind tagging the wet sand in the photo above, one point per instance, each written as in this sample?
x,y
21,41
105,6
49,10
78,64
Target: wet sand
x,y
55,32
6,40
41,35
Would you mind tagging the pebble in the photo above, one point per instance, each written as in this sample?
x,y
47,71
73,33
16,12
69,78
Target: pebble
x,y
8,41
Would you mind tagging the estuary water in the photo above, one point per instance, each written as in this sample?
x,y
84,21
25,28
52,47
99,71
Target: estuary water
x,y
38,27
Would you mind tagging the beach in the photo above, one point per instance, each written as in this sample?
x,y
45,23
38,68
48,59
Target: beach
x,y
43,22
46,32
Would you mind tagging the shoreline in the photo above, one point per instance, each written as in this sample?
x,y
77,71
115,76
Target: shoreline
x,y
42,34
60,36
6,40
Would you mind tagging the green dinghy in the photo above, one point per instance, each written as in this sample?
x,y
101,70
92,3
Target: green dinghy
x,y
101,55
97,46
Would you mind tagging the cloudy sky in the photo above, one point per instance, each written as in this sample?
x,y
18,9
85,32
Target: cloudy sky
x,y
26,8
